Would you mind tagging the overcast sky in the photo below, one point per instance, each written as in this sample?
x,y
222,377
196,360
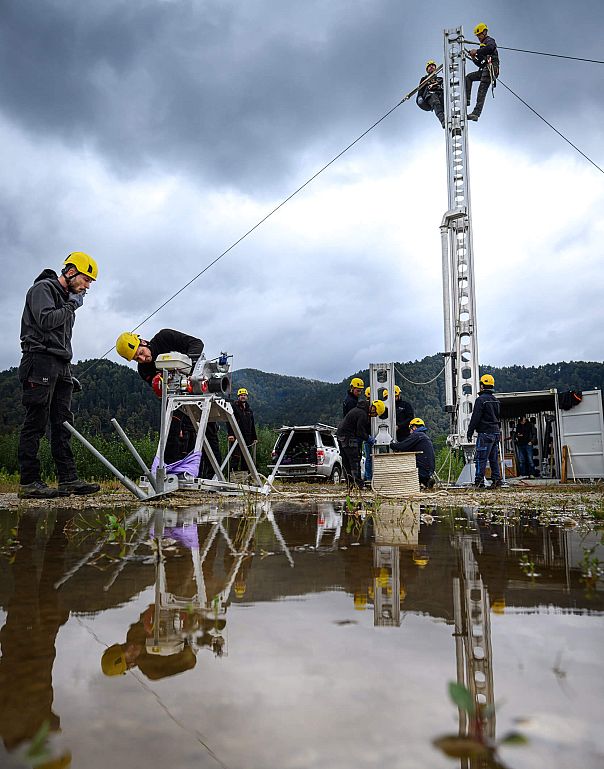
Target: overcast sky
x,y
152,134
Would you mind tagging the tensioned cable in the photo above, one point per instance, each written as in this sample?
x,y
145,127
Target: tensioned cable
x,y
270,213
555,55
568,141
400,373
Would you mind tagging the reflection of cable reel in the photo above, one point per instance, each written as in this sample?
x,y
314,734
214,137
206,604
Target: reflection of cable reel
x,y
164,647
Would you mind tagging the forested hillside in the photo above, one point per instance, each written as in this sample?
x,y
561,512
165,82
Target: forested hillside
x,y
115,390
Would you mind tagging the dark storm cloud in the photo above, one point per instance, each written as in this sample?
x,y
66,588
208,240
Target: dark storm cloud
x,y
231,93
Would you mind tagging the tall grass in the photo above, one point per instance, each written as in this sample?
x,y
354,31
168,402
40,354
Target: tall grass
x,y
87,465
114,450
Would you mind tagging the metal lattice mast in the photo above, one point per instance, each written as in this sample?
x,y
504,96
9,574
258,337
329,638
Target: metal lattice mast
x,y
461,349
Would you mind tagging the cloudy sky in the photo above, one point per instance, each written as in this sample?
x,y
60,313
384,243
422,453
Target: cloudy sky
x,y
154,133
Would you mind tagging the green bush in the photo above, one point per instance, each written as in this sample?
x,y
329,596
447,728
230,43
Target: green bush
x,y
87,465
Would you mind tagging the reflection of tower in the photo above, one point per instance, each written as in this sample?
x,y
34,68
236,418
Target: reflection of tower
x,y
387,580
396,527
473,634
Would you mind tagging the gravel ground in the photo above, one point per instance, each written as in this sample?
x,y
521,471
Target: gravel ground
x,y
588,499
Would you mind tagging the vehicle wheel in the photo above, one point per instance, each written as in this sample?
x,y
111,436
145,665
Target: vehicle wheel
x,y
336,475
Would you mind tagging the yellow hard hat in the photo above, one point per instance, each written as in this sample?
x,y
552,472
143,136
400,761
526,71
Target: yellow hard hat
x,y
421,557
480,28
417,422
367,392
380,407
428,63
487,380
127,344
397,390
83,263
498,606
113,661
382,577
357,383
242,391
385,394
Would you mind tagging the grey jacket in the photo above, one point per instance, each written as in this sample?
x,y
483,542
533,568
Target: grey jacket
x,y
48,318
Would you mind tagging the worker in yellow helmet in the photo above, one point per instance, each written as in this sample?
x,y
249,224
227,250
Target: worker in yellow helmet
x,y
352,431
486,58
486,422
404,414
244,416
355,388
430,96
132,347
45,376
419,441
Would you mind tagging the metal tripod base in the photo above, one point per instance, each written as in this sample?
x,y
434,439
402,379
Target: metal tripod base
x,y
201,409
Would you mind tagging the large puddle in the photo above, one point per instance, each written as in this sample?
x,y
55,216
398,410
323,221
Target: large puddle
x,y
293,636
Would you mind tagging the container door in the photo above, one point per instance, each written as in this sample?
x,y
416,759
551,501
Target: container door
x,y
582,430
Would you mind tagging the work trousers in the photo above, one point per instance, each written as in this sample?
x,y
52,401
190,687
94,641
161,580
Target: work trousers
x,y
435,100
525,456
367,450
237,461
487,450
47,389
484,77
350,449
207,471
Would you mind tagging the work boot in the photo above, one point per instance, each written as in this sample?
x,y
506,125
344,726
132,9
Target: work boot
x,y
37,490
479,483
473,116
497,484
78,487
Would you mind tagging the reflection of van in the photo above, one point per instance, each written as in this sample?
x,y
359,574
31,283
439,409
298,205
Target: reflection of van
x,y
313,452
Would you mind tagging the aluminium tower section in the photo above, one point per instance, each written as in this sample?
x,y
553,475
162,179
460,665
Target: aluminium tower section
x,y
459,301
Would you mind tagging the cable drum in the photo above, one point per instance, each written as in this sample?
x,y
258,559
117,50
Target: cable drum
x,y
395,475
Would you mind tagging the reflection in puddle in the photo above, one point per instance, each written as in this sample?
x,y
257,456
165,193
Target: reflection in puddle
x,y
327,637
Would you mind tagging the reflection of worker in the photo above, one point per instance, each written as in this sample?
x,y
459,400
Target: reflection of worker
x,y
485,421
45,376
486,59
352,431
138,650
244,416
181,436
34,615
352,396
419,441
431,92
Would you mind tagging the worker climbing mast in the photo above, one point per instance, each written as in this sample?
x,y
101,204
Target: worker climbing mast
x,y
461,349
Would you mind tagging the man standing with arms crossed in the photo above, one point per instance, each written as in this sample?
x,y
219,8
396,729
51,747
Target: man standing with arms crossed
x,y
45,375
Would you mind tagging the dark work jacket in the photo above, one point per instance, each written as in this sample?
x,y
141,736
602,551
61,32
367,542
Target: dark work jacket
x,y
425,90
349,403
404,414
48,318
524,433
485,414
419,441
168,340
244,416
486,49
356,423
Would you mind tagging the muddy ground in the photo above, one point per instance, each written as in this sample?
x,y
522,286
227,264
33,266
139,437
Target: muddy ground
x,y
575,499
